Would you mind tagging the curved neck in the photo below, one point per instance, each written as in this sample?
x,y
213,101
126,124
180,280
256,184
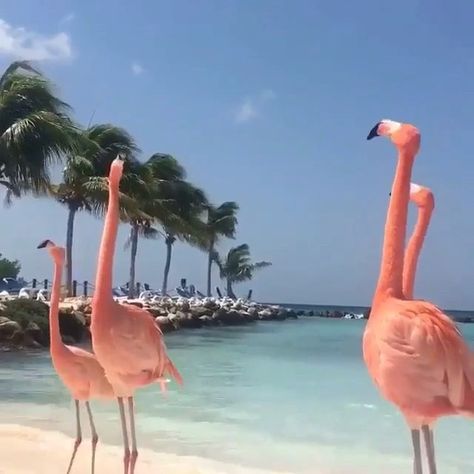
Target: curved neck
x,y
103,280
55,342
390,278
412,252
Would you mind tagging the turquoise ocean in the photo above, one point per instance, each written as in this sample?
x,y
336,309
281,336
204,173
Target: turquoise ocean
x,y
289,396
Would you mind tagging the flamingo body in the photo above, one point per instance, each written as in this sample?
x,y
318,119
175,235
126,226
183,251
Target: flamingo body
x,y
82,375
132,350
418,359
414,352
126,340
78,369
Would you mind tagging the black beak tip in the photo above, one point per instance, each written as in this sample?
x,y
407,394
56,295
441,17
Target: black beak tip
x,y
43,244
121,156
373,132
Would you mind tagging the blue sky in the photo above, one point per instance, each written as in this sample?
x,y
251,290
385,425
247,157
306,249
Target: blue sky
x,y
268,103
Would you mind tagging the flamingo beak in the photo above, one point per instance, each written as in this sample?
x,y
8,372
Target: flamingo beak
x,y
374,131
44,244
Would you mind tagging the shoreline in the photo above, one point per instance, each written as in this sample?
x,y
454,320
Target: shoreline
x,y
171,314
48,451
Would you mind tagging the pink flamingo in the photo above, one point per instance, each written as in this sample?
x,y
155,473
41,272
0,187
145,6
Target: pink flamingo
x,y
78,369
424,199
126,340
414,352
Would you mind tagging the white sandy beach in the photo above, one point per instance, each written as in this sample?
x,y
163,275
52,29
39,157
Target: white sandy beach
x,y
26,450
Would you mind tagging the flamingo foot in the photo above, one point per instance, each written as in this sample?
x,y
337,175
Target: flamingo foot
x,y
77,443
133,461
95,440
126,461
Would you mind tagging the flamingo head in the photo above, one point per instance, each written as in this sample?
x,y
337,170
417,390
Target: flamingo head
x,y
422,196
58,253
116,169
403,135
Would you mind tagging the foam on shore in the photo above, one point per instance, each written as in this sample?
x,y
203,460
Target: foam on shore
x,y
27,450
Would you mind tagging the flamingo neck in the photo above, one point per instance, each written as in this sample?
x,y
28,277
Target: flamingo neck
x,y
390,278
103,281
413,250
56,344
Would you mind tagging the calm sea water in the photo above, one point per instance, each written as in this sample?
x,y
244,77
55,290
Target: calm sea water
x,y
290,395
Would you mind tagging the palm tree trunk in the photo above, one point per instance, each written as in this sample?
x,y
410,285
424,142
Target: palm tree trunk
x,y
230,291
69,240
169,249
133,258
209,268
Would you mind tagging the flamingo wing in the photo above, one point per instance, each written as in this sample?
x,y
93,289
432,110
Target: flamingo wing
x,y
137,342
423,359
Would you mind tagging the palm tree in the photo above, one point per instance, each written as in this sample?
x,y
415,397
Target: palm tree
x,y
187,206
167,200
35,130
221,221
83,187
150,200
237,267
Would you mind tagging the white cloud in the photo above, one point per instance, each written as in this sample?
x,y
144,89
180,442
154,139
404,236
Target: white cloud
x,y
137,68
250,108
247,111
20,43
67,18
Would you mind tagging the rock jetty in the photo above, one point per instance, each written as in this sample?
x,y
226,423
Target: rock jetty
x,y
24,323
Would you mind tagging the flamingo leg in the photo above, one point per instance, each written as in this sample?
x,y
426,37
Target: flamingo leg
x,y
429,444
417,466
126,449
134,454
95,437
78,440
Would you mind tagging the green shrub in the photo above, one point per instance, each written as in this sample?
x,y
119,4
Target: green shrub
x,y
24,310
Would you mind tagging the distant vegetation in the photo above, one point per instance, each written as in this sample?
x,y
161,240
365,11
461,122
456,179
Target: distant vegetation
x,y
9,268
157,200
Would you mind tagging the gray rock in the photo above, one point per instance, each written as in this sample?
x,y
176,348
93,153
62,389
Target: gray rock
x,y
173,317
281,315
265,314
219,315
253,312
190,322
199,311
233,318
8,328
68,340
210,304
206,320
165,324
79,315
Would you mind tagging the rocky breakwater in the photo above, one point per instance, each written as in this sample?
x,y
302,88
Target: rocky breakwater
x,y
173,314
24,322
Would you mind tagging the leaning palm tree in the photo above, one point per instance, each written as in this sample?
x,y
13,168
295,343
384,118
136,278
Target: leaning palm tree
x,y
83,187
151,200
35,130
168,201
221,221
237,267
187,225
